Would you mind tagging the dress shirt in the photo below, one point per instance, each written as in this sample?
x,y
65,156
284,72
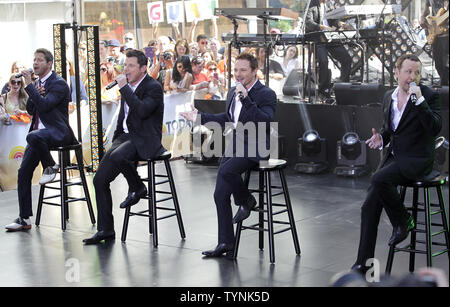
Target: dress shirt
x,y
238,106
126,108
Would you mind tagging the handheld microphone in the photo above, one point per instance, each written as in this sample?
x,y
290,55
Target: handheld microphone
x,y
19,75
111,85
413,96
241,96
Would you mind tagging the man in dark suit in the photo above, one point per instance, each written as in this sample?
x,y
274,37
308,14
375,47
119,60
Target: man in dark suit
x,y
412,121
248,102
137,136
48,104
315,21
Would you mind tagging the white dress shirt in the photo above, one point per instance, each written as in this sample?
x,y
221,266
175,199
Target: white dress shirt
x,y
238,106
396,114
126,108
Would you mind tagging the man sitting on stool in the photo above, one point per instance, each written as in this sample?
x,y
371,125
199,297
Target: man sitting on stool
x,y
412,121
137,137
248,102
48,103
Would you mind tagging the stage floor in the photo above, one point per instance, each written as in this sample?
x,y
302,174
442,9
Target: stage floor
x,y
327,215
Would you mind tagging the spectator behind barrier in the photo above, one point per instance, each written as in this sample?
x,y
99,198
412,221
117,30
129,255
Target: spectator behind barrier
x,y
181,77
216,81
290,60
193,50
108,75
13,103
162,66
73,92
181,48
16,67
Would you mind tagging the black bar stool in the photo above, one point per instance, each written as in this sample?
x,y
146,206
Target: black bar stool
x,y
151,213
265,168
65,165
438,183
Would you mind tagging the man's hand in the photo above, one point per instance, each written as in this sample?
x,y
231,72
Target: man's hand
x,y
415,90
121,80
190,115
27,76
240,89
375,141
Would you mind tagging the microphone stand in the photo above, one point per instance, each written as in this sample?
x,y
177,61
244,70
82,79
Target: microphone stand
x,y
234,41
267,45
307,84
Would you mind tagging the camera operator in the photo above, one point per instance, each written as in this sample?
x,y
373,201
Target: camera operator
x,y
163,65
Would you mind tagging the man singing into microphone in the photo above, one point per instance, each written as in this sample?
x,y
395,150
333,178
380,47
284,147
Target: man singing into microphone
x,y
137,136
249,101
412,121
48,103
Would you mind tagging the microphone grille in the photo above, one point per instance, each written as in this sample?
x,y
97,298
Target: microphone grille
x,y
413,84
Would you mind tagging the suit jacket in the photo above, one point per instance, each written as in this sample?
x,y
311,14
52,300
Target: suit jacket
x,y
145,117
413,141
258,106
52,108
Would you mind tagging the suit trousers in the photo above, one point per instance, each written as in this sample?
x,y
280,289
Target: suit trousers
x,y
382,193
341,55
37,150
121,158
229,182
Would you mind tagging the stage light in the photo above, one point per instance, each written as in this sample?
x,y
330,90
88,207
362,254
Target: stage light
x,y
312,153
351,156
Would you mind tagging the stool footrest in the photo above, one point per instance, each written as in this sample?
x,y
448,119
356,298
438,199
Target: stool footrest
x,y
52,188
433,243
52,196
51,204
164,199
69,184
166,216
408,250
73,199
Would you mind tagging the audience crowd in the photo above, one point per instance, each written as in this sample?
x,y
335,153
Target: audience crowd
x,y
197,64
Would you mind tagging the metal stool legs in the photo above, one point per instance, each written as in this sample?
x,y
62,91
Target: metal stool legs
x,y
411,248
152,213
265,188
65,199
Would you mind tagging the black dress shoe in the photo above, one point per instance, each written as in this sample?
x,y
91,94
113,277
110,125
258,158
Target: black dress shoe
x,y
244,210
400,232
221,248
100,236
134,197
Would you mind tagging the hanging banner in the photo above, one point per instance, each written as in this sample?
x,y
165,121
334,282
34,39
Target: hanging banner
x,y
175,12
155,12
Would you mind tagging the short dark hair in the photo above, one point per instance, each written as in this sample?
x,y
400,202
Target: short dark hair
x,y
47,54
201,36
407,56
252,60
139,55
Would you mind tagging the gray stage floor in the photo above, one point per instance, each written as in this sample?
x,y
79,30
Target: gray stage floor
x,y
327,215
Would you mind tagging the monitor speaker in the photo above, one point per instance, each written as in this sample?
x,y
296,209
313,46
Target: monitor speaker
x,y
358,94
